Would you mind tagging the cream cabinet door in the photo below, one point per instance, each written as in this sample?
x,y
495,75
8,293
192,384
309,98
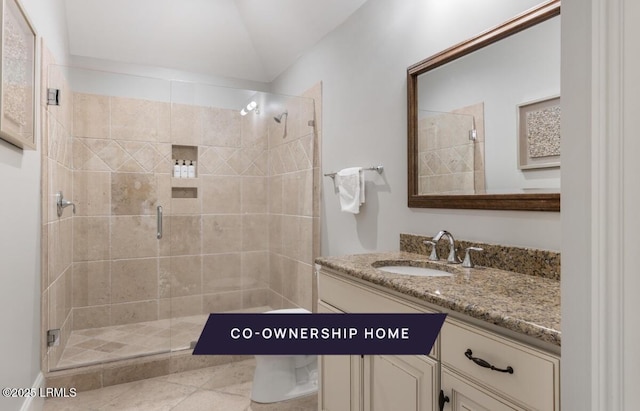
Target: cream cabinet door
x,y
462,395
400,382
340,377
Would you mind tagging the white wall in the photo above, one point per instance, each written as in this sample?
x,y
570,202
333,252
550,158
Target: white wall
x,y
20,235
362,65
600,282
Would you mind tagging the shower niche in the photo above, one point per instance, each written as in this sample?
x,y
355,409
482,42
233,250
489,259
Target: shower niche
x,y
181,187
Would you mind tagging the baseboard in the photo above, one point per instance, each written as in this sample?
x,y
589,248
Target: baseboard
x,y
35,403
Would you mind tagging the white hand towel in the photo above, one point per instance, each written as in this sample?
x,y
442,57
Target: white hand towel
x,y
350,183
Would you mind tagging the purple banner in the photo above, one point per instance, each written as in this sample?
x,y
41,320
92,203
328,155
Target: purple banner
x,y
305,334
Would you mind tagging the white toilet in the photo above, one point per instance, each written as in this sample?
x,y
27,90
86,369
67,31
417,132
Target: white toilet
x,y
283,377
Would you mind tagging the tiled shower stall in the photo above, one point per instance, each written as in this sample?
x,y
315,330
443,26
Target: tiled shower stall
x,y
241,236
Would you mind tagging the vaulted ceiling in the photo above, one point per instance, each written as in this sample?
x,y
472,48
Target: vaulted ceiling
x,y
246,39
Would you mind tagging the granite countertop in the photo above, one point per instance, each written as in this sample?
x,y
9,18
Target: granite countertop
x,y
522,303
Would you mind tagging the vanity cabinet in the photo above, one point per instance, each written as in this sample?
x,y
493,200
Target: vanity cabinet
x,y
373,382
453,373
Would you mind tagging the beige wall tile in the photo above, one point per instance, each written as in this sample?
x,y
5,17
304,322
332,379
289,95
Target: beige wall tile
x,y
127,313
58,308
255,232
92,193
221,233
297,283
305,236
221,302
275,234
290,240
276,271
211,159
180,306
254,195
186,124
91,236
185,206
297,234
221,127
185,234
275,194
134,280
221,272
136,119
221,195
113,154
254,130
180,276
91,317
91,115
85,157
304,291
91,283
62,246
255,270
164,122
133,194
289,278
133,237
258,297
275,300
163,192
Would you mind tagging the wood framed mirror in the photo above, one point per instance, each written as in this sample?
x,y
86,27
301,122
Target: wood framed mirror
x,y
478,120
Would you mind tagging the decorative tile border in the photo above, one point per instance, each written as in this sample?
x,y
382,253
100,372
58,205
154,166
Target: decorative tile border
x,y
540,263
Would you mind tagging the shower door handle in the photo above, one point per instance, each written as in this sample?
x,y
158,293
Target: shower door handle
x,y
159,222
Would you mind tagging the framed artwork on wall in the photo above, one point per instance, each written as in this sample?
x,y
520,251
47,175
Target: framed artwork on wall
x,y
539,134
18,86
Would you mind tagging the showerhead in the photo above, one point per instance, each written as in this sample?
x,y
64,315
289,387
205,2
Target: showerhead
x,y
278,119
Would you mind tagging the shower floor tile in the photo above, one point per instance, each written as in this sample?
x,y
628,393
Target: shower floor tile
x,y
106,344
97,345
224,387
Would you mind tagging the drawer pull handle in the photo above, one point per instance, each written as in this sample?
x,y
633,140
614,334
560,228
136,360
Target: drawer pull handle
x,y
442,400
485,364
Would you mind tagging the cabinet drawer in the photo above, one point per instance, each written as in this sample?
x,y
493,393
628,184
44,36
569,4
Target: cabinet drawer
x,y
535,378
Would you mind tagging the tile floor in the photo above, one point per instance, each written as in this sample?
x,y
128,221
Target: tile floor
x,y
221,388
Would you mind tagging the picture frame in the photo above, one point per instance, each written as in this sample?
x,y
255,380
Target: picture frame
x,y
18,81
539,133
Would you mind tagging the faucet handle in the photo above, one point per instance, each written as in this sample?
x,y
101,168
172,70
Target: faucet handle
x,y
434,251
468,263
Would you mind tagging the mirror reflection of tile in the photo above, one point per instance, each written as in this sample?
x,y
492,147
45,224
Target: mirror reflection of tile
x,y
449,161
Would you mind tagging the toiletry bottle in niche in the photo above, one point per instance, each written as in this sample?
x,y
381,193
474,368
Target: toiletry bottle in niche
x,y
192,170
184,170
176,169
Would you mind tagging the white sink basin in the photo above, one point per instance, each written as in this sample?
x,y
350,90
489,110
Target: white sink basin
x,y
411,270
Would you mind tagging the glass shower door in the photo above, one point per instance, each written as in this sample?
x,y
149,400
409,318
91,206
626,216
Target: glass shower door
x,y
108,151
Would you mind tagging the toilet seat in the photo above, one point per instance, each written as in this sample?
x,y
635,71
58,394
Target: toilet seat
x,y
289,311
282,377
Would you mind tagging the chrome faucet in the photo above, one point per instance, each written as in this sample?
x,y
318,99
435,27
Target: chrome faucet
x,y
453,257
